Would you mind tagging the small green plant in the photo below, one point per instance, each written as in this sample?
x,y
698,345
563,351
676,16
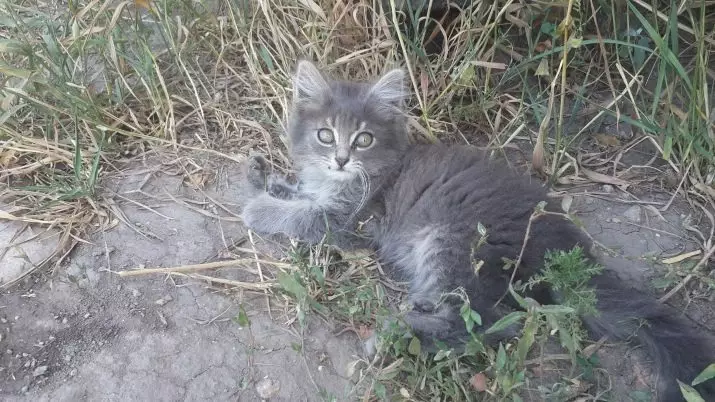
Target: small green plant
x,y
320,283
568,273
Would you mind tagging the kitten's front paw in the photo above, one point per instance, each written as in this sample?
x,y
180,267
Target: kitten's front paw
x,y
253,216
256,171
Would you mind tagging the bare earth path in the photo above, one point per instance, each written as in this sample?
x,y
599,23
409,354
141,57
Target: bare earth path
x,y
87,334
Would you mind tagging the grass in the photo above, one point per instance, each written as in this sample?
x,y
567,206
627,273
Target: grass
x,y
85,88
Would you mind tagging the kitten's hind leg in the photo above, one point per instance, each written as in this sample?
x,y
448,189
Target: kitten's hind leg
x,y
443,323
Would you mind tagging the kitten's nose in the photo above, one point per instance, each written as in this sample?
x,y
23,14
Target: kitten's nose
x,y
341,160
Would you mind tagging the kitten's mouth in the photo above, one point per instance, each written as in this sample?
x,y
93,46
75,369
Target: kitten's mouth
x,y
336,168
341,171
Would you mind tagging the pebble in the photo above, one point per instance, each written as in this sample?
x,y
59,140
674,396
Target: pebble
x,y
40,370
74,271
136,293
266,388
607,188
633,214
164,300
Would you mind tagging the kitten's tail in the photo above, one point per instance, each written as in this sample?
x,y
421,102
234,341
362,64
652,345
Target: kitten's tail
x,y
677,350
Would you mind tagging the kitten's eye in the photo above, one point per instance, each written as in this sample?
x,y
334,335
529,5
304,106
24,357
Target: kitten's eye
x,y
326,136
363,140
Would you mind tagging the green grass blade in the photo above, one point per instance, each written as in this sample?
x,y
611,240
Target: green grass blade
x,y
665,51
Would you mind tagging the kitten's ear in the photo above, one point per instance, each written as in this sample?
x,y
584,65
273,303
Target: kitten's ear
x,y
390,89
309,84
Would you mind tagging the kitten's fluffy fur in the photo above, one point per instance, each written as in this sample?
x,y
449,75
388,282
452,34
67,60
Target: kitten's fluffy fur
x,y
427,202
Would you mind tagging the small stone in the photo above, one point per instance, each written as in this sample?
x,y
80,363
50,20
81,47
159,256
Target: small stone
x,y
608,188
25,389
164,300
633,214
615,220
87,315
64,320
40,370
74,271
266,388
136,293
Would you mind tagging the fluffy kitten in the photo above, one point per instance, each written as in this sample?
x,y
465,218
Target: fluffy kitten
x,y
349,144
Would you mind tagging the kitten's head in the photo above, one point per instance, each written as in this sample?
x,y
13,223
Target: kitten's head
x,y
341,128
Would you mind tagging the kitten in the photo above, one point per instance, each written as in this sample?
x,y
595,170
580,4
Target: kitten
x,y
350,147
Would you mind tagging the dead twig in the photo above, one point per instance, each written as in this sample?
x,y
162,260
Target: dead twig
x,y
198,267
237,284
689,277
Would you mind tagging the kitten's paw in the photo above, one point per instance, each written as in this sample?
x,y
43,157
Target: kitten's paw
x,y
254,215
370,346
424,306
256,171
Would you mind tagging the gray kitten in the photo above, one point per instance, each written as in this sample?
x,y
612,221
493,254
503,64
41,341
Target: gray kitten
x,y
422,204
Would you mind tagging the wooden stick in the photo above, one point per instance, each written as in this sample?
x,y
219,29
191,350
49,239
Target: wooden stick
x,y
239,284
197,267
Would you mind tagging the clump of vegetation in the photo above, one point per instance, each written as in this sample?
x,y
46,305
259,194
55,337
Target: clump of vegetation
x,y
494,372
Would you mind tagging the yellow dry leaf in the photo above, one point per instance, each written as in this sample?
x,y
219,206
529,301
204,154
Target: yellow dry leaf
x,y
197,180
681,257
607,140
602,178
543,69
7,157
145,4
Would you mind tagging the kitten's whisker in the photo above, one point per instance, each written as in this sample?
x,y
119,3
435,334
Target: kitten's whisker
x,y
365,181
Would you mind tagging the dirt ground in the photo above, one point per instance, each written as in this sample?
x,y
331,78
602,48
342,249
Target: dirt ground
x,y
84,333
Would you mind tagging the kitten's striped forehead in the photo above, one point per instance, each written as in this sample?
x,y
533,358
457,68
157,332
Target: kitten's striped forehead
x,y
345,126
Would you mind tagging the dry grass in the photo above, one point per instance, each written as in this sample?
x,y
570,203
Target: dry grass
x,y
86,87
